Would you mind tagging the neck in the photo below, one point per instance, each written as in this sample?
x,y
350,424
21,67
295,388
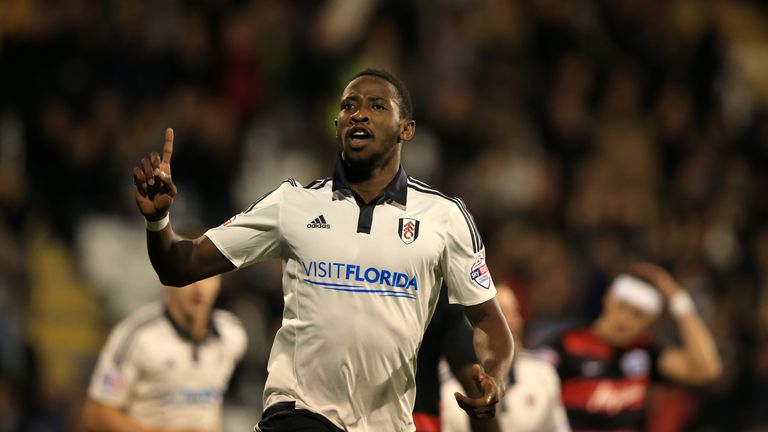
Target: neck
x,y
373,182
603,331
195,326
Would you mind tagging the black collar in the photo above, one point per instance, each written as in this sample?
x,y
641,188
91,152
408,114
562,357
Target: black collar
x,y
212,330
396,190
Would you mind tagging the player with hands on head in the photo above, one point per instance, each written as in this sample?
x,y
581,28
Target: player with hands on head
x,y
365,253
606,368
697,362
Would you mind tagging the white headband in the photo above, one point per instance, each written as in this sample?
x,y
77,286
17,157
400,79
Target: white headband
x,y
638,293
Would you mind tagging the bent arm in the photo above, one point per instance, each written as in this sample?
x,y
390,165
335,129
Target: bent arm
x,y
180,262
492,339
697,362
177,261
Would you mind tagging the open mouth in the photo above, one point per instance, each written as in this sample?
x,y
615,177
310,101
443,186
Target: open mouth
x,y
359,136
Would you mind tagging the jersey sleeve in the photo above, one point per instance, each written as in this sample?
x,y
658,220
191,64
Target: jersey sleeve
x,y
254,234
463,260
116,371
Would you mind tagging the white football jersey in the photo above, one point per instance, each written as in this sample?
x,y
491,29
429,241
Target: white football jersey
x,y
360,283
152,370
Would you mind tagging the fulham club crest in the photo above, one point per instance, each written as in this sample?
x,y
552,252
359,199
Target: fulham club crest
x,y
408,230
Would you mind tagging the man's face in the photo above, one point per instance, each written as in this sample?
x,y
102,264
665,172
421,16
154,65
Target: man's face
x,y
369,126
195,300
624,321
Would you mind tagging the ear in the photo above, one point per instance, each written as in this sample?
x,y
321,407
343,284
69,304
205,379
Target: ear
x,y
407,129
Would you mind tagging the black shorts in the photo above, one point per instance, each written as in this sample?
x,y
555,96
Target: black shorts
x,y
284,417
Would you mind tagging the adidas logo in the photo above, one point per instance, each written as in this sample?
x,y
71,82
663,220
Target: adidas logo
x,y
319,222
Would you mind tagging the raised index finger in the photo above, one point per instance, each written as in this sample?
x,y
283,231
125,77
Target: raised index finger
x,y
168,146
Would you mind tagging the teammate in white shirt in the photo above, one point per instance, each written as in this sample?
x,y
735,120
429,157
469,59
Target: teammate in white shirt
x,y
532,402
166,367
364,255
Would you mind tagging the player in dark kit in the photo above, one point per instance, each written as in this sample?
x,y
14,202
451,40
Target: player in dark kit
x,y
606,369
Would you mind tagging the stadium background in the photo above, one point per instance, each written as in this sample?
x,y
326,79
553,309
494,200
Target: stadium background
x,y
581,133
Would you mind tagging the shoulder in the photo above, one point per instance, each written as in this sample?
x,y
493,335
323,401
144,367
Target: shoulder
x,y
288,184
134,327
579,335
319,183
533,362
140,318
584,342
226,320
230,327
454,208
533,366
552,350
292,190
269,197
644,341
424,191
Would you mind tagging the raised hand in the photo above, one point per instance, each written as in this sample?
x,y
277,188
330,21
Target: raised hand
x,y
152,184
659,277
485,405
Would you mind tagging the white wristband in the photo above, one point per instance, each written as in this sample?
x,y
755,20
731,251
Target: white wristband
x,y
158,225
681,304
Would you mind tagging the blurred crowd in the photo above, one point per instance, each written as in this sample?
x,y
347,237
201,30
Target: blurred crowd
x,y
582,135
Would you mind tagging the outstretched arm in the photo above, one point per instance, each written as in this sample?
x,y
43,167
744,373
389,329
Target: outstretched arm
x,y
177,261
494,347
697,361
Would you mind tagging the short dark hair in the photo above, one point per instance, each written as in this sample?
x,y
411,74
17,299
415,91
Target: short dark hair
x,y
406,107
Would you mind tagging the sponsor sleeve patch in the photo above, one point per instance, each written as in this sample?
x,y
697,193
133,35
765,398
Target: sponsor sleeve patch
x,y
479,273
112,382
